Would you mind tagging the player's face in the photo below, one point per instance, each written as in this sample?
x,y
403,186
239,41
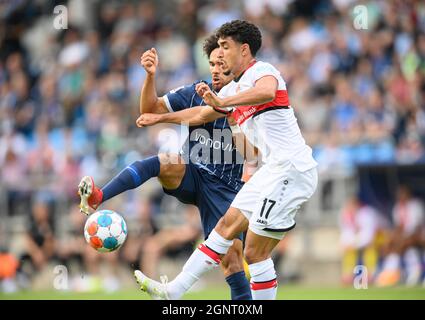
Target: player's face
x,y
218,70
231,51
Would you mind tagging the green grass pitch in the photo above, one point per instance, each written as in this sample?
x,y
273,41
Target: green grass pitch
x,y
289,292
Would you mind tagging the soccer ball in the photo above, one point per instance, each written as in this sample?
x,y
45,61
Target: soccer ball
x,y
105,230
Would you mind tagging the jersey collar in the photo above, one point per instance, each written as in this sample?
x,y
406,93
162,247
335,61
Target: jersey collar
x,y
249,66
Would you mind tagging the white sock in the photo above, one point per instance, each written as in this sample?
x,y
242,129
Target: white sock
x,y
203,259
392,262
263,280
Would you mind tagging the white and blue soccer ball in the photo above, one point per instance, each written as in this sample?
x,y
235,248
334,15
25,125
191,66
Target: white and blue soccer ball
x,y
105,230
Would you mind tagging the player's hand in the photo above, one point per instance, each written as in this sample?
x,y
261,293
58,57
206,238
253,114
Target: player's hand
x,y
201,88
148,119
149,61
210,98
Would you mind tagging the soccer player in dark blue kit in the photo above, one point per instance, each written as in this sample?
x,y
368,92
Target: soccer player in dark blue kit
x,y
207,175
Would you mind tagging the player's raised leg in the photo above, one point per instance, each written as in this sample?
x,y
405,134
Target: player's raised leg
x,y
206,257
168,168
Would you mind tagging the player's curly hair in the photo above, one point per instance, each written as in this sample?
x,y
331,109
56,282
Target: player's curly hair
x,y
243,32
210,44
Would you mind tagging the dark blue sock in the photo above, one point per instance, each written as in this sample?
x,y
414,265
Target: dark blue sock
x,y
131,177
239,286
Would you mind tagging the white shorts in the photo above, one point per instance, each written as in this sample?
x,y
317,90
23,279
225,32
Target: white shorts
x,y
271,198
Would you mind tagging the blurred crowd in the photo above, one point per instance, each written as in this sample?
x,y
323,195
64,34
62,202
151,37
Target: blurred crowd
x,y
69,97
391,250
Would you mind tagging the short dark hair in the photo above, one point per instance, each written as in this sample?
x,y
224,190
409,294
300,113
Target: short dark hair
x,y
210,44
243,32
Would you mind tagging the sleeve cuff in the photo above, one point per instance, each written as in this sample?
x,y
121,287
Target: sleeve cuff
x,y
167,103
221,110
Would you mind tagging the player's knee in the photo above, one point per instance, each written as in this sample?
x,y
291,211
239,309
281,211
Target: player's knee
x,y
255,254
171,166
225,228
166,163
222,228
169,159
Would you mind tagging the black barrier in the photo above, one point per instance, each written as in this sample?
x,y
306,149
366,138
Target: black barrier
x,y
378,184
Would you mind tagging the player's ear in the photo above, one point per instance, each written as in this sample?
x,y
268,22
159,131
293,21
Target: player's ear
x,y
245,49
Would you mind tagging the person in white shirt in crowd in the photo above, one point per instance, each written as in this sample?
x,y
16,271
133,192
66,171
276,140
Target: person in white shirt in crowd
x,y
361,228
404,244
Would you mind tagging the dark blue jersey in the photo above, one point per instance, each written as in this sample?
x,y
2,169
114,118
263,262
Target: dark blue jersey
x,y
209,146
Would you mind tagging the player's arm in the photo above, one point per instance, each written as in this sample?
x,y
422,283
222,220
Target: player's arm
x,y
252,156
248,152
149,100
190,117
264,91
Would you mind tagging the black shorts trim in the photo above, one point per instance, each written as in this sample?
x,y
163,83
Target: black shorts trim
x,y
280,230
270,109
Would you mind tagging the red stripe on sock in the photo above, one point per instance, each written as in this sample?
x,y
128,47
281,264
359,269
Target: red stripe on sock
x,y
213,255
264,285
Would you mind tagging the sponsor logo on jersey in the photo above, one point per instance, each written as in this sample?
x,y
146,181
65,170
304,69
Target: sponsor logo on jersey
x,y
214,143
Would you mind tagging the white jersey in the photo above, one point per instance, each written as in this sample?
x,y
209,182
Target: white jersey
x,y
409,216
359,228
271,127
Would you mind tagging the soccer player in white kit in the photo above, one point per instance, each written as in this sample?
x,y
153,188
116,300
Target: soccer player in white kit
x,y
267,204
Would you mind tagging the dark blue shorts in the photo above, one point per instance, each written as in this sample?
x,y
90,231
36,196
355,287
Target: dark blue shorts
x,y
211,195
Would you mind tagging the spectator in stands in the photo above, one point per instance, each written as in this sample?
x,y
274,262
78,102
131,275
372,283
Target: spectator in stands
x,y
171,239
404,244
13,170
361,236
77,256
141,228
40,243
